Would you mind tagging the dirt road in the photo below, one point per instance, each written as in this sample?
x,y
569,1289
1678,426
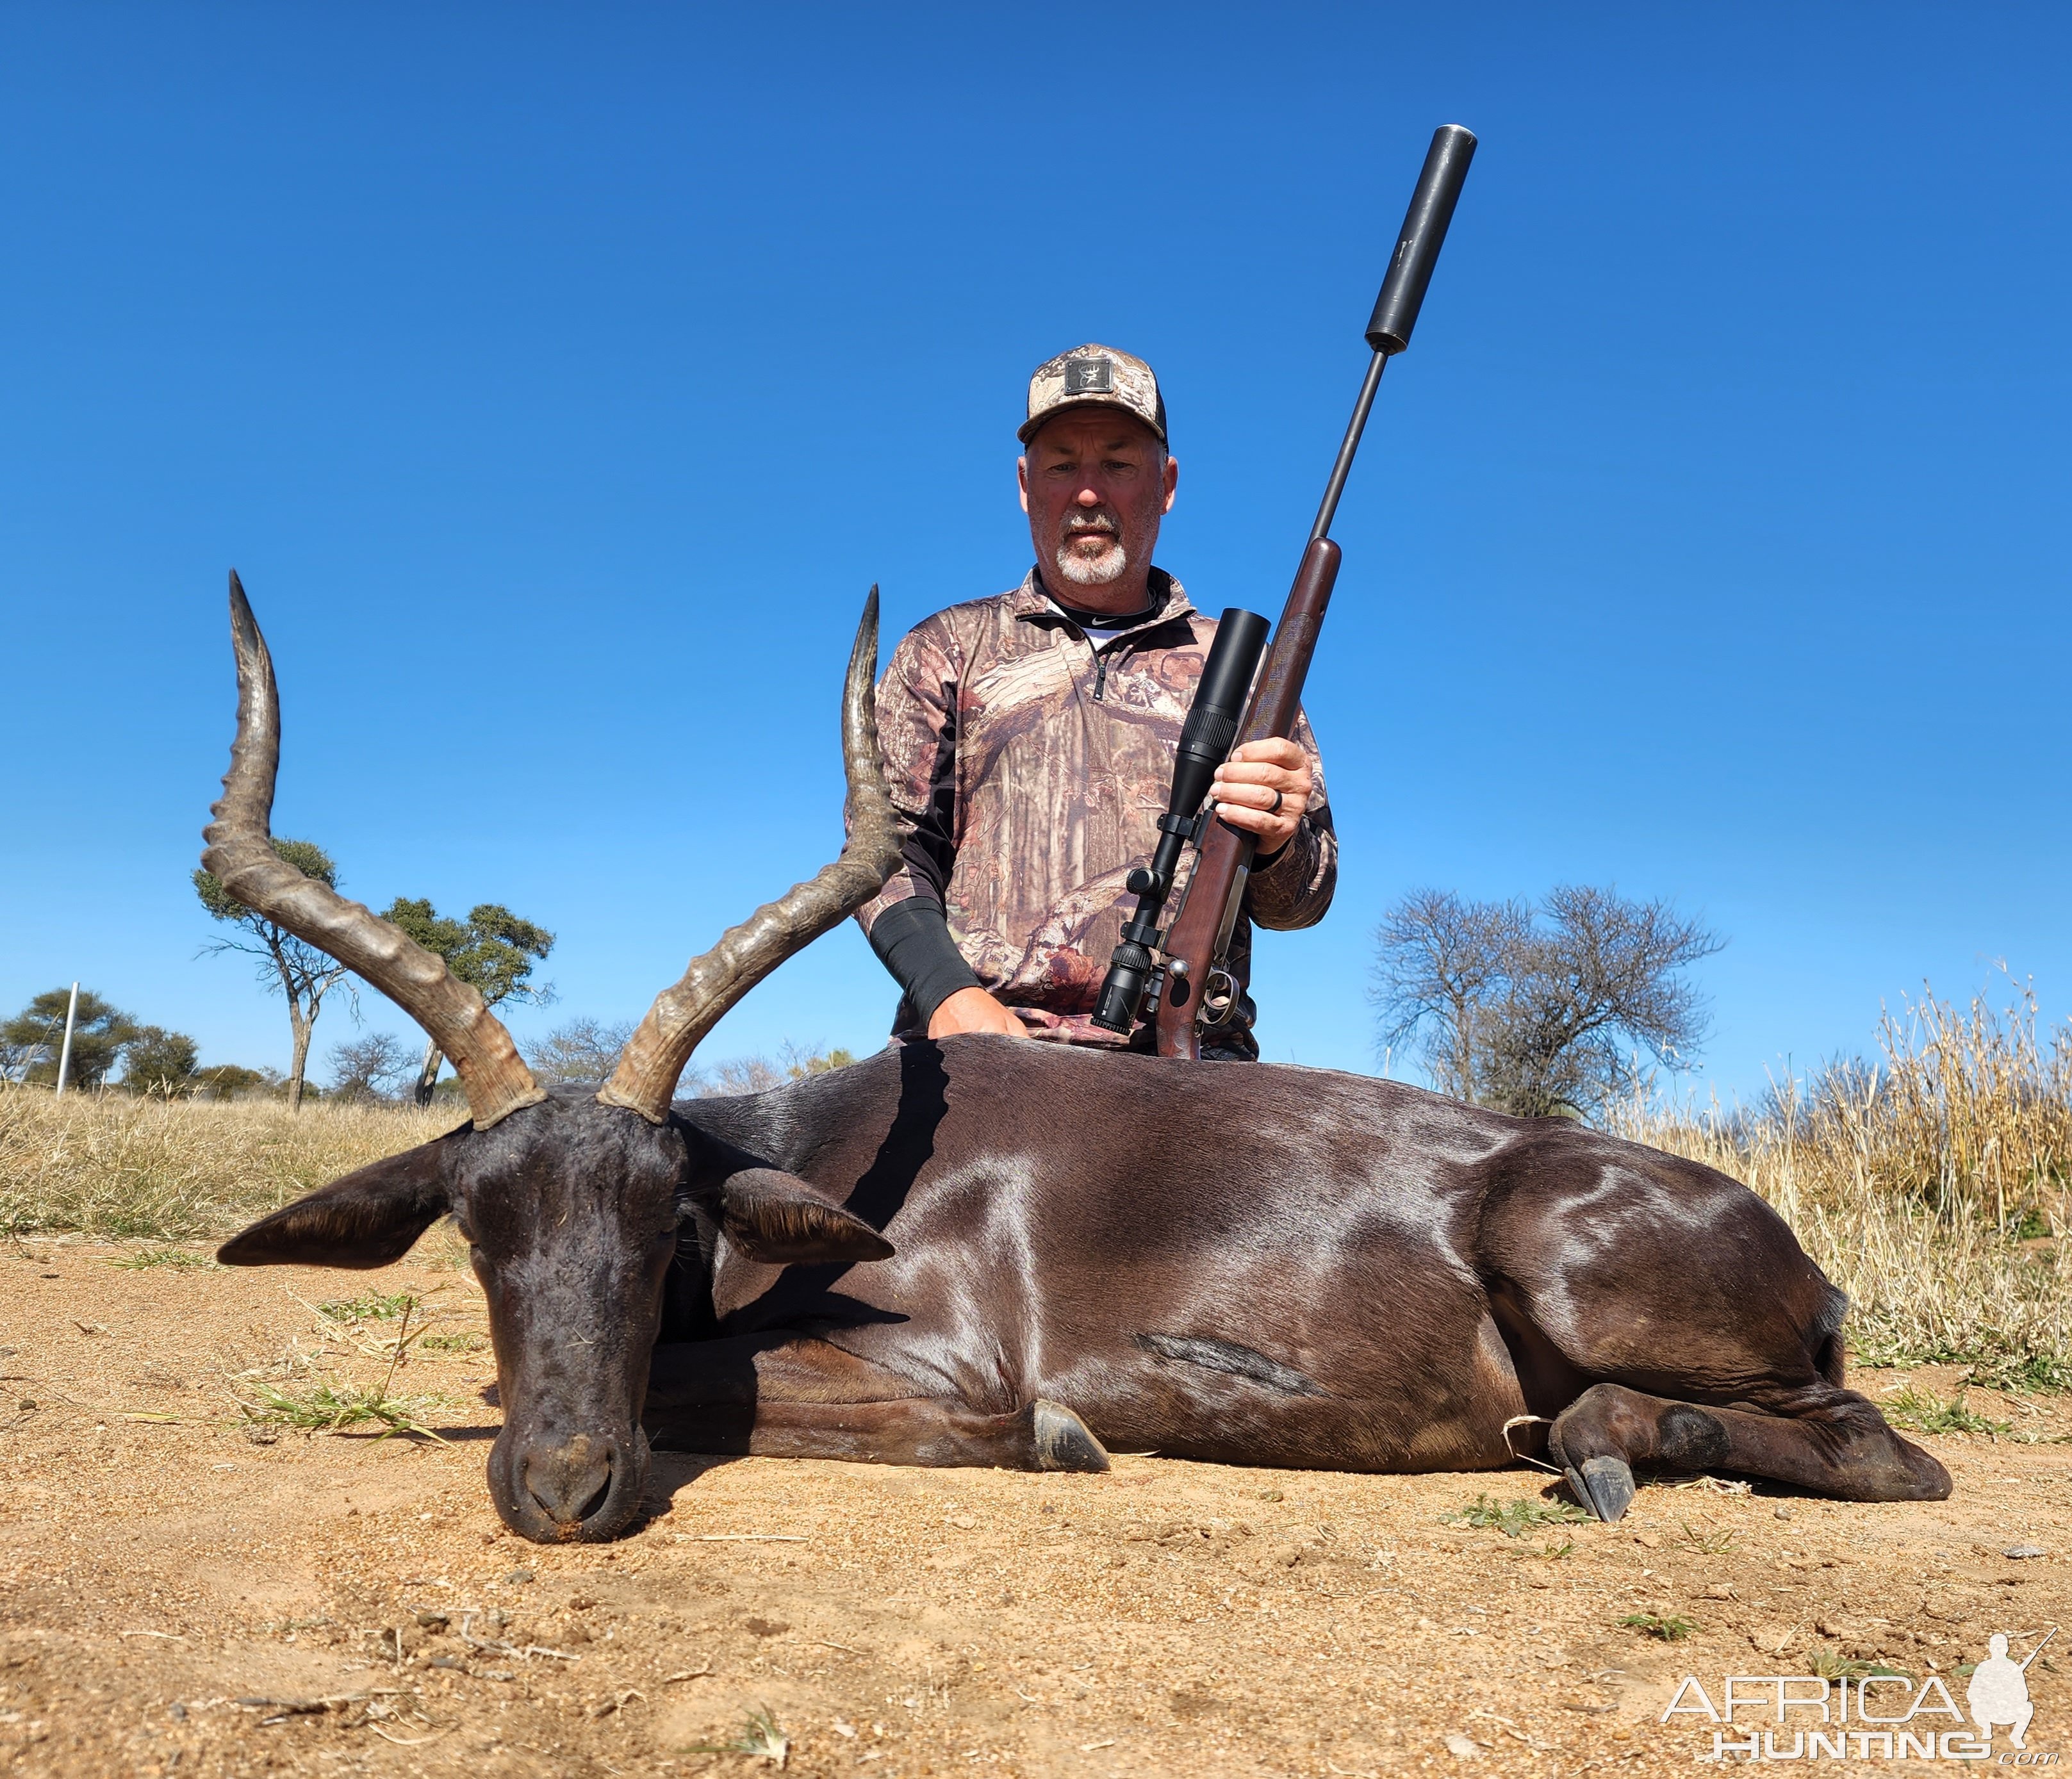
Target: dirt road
x,y
175,1598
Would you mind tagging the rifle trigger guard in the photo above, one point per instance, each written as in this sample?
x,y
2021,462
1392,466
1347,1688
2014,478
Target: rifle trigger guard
x,y
1218,999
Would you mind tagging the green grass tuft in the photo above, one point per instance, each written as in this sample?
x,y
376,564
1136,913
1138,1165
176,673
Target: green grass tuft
x,y
760,1737
2029,1374
1515,1518
1923,1412
1669,1630
375,1309
1832,1665
326,1409
184,1258
452,1343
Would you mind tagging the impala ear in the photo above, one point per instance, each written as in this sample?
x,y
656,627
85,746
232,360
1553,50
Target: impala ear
x,y
369,1219
777,1218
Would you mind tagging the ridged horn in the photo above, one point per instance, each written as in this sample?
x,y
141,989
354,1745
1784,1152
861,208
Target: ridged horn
x,y
239,849
645,1080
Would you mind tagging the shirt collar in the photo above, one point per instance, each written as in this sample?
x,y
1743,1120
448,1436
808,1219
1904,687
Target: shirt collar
x,y
1169,602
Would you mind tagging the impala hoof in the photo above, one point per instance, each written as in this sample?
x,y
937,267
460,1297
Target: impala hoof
x,y
1605,1487
1062,1440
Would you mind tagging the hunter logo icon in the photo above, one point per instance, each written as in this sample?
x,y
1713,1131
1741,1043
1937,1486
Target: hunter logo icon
x,y
1090,377
1999,1692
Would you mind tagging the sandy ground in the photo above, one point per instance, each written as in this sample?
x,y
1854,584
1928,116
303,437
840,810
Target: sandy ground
x,y
175,1598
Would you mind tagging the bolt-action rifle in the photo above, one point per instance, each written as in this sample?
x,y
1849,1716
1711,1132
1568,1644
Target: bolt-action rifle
x,y
1196,992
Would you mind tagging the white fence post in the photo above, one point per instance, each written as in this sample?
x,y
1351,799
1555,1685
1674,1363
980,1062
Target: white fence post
x,y
64,1056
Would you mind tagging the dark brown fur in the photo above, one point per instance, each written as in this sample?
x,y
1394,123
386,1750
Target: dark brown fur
x,y
1372,1278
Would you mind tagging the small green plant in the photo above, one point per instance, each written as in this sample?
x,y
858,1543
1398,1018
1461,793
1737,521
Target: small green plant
x,y
1926,1412
2026,1374
1832,1665
1554,1552
326,1409
179,1257
760,1737
375,1309
463,1342
1669,1630
1515,1518
1707,1543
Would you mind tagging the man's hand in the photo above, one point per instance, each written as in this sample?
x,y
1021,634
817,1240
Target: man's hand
x,y
974,1010
1244,792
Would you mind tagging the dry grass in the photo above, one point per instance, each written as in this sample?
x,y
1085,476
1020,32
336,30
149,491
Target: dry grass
x,y
125,1167
1931,1184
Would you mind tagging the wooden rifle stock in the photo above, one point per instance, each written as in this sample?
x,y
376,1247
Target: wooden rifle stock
x,y
1195,941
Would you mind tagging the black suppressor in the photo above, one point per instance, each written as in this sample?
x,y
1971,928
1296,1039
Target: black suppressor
x,y
1423,234
1204,744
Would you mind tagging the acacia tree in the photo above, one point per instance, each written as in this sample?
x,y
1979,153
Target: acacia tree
x,y
35,1036
24,1038
227,1080
492,951
302,974
1540,1011
157,1061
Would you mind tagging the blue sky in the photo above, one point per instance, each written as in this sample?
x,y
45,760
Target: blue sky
x,y
558,378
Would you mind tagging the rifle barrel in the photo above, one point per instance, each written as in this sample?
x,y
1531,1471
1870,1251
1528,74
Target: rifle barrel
x,y
1418,245
1343,466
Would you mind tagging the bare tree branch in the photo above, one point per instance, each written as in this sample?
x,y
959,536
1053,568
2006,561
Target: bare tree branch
x,y
582,1050
1442,960
369,1068
1540,1012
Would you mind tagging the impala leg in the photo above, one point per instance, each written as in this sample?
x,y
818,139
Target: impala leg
x,y
1838,1444
1042,1436
794,1397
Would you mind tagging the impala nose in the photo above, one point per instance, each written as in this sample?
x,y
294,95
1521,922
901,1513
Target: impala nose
x,y
570,1482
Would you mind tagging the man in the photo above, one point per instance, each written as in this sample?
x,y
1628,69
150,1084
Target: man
x,y
1029,742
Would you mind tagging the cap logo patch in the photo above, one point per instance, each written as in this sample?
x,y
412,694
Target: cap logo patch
x,y
1090,377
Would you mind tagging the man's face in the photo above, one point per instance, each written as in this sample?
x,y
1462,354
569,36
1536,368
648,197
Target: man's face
x,y
1095,483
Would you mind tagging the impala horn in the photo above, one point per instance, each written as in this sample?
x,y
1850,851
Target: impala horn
x,y
240,851
645,1080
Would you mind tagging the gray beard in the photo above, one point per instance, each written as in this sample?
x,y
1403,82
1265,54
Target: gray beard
x,y
1108,568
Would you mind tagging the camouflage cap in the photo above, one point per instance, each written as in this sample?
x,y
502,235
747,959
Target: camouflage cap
x,y
1094,376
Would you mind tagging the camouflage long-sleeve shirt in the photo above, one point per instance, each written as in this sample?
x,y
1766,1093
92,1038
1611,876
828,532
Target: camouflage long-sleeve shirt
x,y
1030,767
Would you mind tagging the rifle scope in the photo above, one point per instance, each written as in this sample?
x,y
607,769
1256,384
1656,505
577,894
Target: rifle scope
x,y
1204,744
